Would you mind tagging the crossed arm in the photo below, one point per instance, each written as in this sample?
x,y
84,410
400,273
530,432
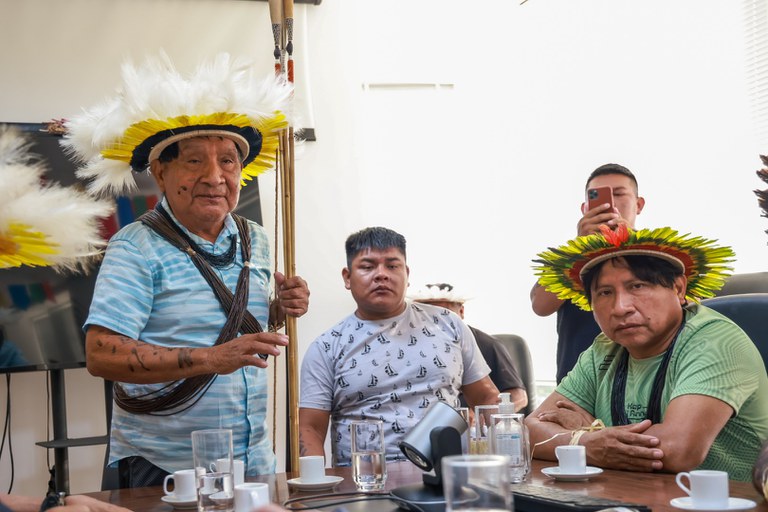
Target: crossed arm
x,y
679,443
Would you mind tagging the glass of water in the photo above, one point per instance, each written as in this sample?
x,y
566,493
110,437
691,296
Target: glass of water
x,y
212,454
369,467
466,438
482,428
474,483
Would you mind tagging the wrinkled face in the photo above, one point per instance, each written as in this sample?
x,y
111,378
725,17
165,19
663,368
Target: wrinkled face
x,y
377,280
203,184
640,316
624,195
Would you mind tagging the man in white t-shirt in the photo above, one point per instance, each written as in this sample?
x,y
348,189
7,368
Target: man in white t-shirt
x,y
388,360
504,374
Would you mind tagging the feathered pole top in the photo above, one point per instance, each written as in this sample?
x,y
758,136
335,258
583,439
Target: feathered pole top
x,y
157,106
705,264
43,224
437,292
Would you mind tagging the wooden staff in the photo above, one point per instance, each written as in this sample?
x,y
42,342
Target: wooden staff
x,y
292,363
281,15
289,207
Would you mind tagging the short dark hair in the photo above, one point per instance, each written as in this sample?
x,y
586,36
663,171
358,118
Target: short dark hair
x,y
646,268
373,238
611,169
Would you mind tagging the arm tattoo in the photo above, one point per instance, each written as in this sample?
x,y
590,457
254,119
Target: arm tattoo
x,y
185,358
135,353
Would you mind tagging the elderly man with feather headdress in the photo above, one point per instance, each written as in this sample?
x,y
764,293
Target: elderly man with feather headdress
x,y
182,298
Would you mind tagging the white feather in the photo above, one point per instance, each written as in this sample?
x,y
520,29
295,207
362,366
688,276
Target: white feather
x,y
156,90
67,217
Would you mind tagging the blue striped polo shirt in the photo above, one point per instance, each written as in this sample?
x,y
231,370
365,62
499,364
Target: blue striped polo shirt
x,y
151,291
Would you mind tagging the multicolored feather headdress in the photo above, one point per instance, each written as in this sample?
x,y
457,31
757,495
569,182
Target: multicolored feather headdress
x,y
42,225
561,269
157,106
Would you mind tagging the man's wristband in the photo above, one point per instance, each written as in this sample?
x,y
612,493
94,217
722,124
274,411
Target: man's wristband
x,y
53,500
576,436
595,426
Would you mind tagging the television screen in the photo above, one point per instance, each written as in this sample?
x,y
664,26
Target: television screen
x,y
41,311
40,319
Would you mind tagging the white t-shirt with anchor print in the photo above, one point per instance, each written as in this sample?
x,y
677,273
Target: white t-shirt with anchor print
x,y
390,370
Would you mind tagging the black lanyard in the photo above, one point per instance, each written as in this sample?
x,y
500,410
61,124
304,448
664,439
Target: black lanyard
x,y
653,412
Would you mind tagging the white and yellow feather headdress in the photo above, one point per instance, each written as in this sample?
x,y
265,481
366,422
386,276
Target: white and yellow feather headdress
x,y
43,224
437,292
157,106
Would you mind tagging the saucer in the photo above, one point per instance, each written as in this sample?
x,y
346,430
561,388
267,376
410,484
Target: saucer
x,y
733,504
222,496
328,482
554,472
186,502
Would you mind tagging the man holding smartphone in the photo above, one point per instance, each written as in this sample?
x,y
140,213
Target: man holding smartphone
x,y
577,329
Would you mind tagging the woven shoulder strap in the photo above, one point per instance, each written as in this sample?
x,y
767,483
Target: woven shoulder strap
x,y
170,398
159,220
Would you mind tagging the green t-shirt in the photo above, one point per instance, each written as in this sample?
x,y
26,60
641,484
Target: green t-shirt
x,y
713,357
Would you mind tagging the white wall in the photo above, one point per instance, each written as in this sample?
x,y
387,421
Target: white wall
x,y
479,174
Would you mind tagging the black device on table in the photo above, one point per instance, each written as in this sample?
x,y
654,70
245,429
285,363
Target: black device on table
x,y
538,498
527,498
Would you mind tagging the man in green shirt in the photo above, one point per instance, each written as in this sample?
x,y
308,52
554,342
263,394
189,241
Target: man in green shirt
x,y
677,385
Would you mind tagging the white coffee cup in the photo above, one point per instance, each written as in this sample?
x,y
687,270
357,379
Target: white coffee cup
x,y
708,489
238,474
312,469
184,485
251,495
572,459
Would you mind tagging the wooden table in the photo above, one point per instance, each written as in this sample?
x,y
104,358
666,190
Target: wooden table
x,y
652,489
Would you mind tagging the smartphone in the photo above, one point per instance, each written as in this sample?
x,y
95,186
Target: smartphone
x,y
598,196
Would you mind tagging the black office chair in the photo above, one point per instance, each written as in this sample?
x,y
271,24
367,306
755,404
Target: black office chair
x,y
737,284
521,357
749,311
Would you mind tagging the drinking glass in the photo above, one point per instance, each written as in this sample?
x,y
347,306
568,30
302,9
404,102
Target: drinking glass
x,y
215,483
482,426
476,482
369,467
466,438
